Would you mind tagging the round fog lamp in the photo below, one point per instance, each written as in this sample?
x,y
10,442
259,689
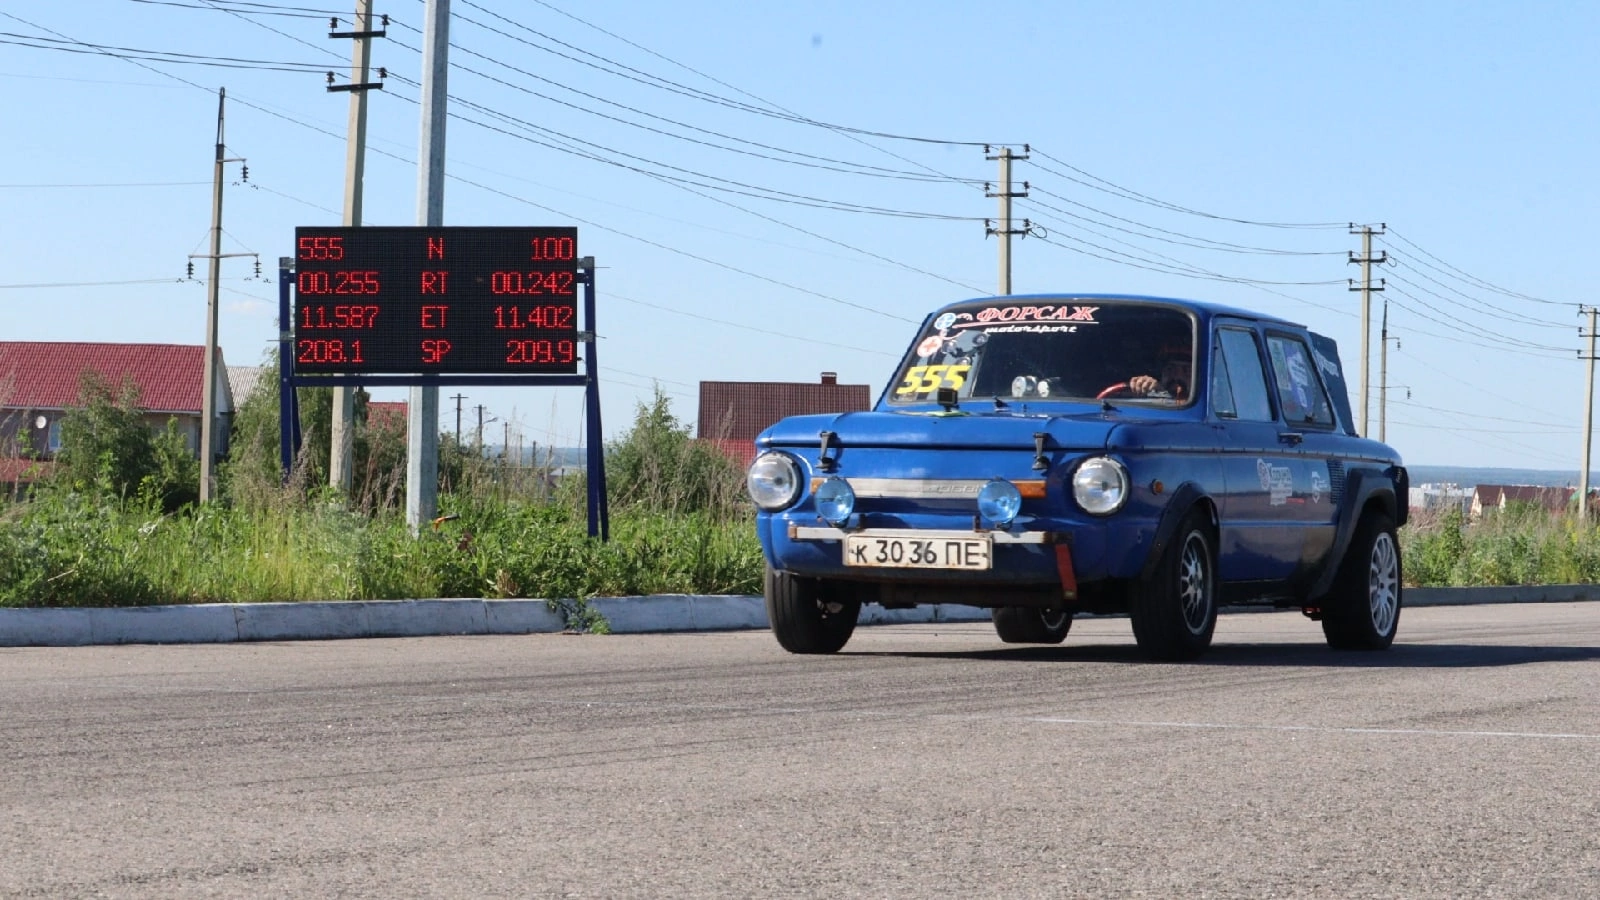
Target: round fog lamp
x,y
835,501
999,502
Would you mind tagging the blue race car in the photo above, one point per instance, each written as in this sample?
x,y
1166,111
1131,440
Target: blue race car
x,y
1041,456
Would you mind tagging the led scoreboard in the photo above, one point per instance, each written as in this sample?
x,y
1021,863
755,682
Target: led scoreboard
x,y
447,300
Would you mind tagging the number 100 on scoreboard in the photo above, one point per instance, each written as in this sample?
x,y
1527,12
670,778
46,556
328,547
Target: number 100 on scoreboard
x,y
450,301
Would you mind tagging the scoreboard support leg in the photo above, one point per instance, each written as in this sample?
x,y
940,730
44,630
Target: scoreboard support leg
x,y
288,400
599,515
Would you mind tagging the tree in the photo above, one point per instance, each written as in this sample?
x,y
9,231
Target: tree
x,y
106,444
658,465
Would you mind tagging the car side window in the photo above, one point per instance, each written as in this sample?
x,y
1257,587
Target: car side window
x,y
1300,393
1221,385
1240,359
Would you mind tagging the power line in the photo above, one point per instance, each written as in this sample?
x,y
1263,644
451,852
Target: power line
x,y
655,81
1199,242
164,56
1100,184
1473,279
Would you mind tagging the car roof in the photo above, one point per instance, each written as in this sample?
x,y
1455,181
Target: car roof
x,y
1204,308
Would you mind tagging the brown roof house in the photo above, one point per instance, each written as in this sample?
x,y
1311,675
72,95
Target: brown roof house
x,y
732,413
1490,497
39,382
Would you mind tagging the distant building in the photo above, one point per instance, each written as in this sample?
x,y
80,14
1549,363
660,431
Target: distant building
x,y
39,382
732,413
1440,497
1488,498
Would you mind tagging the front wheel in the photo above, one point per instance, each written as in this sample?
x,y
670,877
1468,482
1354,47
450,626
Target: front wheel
x,y
1031,625
805,618
1363,610
1174,612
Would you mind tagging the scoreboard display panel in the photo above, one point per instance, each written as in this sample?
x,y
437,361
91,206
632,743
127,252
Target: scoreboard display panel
x,y
436,300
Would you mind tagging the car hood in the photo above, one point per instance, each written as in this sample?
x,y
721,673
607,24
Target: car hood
x,y
931,431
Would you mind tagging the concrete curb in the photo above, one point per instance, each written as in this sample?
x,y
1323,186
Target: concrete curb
x,y
227,622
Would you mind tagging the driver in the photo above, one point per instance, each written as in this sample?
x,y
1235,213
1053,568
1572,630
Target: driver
x,y
1177,368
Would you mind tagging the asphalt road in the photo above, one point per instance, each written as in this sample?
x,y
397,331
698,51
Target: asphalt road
x,y
925,761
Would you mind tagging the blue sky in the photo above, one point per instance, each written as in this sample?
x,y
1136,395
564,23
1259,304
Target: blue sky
x,y
1208,150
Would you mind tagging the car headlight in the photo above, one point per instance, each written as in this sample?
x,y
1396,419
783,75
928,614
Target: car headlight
x,y
835,501
773,480
1100,485
999,502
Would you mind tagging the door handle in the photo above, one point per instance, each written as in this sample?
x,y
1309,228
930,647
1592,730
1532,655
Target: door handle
x,y
1290,437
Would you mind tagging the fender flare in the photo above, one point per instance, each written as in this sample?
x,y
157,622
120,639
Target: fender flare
x,y
1183,499
1361,486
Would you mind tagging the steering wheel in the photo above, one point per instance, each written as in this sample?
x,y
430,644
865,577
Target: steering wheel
x,y
1115,389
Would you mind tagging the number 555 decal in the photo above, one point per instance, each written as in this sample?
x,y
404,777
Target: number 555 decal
x,y
927,379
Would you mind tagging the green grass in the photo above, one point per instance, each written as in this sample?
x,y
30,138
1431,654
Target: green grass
x,y
1523,544
69,548
72,549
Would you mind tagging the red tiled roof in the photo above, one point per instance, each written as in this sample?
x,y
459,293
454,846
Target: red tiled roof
x,y
740,410
45,374
386,413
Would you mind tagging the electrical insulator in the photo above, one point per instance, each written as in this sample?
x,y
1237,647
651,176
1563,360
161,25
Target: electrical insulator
x,y
191,268
258,268
382,73
333,24
330,79
244,173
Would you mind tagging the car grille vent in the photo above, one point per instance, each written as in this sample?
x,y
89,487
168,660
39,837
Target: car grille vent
x,y
1335,481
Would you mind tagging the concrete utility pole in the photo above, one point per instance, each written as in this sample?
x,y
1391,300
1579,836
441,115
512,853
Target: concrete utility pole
x,y
1367,289
342,429
422,424
1005,231
1588,418
208,412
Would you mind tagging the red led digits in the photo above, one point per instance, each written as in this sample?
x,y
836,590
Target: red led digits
x,y
434,302
316,282
340,317
531,283
321,248
553,248
329,351
535,317
540,352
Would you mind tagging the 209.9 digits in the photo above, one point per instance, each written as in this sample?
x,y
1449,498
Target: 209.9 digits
x,y
535,353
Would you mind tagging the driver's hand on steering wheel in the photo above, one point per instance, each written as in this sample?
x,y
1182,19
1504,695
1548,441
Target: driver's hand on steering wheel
x,y
1142,384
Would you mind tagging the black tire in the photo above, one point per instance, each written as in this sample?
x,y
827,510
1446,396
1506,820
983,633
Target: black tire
x,y
1174,612
1031,625
803,618
1362,612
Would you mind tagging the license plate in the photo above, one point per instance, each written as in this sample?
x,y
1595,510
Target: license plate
x,y
919,552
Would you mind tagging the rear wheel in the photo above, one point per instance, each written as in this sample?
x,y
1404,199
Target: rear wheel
x,y
803,615
1174,612
1363,610
1031,625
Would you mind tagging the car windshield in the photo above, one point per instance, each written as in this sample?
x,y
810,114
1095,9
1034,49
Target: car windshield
x,y
1050,349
